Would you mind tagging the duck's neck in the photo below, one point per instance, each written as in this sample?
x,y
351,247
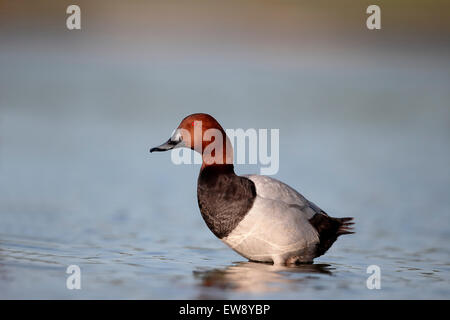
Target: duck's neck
x,y
217,169
217,154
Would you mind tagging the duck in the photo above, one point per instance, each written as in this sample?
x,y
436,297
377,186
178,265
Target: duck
x,y
259,217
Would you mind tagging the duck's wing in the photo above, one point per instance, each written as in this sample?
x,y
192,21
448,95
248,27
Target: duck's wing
x,y
327,228
274,189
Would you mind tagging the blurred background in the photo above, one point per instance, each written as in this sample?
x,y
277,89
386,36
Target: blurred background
x,y
364,119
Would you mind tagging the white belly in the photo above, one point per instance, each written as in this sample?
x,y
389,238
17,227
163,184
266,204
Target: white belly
x,y
273,231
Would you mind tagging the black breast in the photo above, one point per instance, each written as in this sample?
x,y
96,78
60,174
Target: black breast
x,y
224,198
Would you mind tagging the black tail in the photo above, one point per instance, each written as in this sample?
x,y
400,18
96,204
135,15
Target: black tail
x,y
346,226
329,229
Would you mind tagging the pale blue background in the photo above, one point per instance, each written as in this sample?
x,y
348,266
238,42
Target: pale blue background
x,y
364,123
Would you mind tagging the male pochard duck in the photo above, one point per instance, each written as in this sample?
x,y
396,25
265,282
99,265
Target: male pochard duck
x,y
259,217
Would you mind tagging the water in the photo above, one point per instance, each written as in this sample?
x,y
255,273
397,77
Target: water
x,y
78,186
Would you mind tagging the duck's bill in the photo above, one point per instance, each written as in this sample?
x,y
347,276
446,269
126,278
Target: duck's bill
x,y
168,145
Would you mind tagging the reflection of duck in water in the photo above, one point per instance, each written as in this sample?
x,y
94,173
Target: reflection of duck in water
x,y
259,217
256,277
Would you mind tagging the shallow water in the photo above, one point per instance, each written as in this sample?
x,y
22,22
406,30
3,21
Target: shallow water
x,y
78,185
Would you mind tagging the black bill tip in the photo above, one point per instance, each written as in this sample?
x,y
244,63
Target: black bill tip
x,y
155,149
